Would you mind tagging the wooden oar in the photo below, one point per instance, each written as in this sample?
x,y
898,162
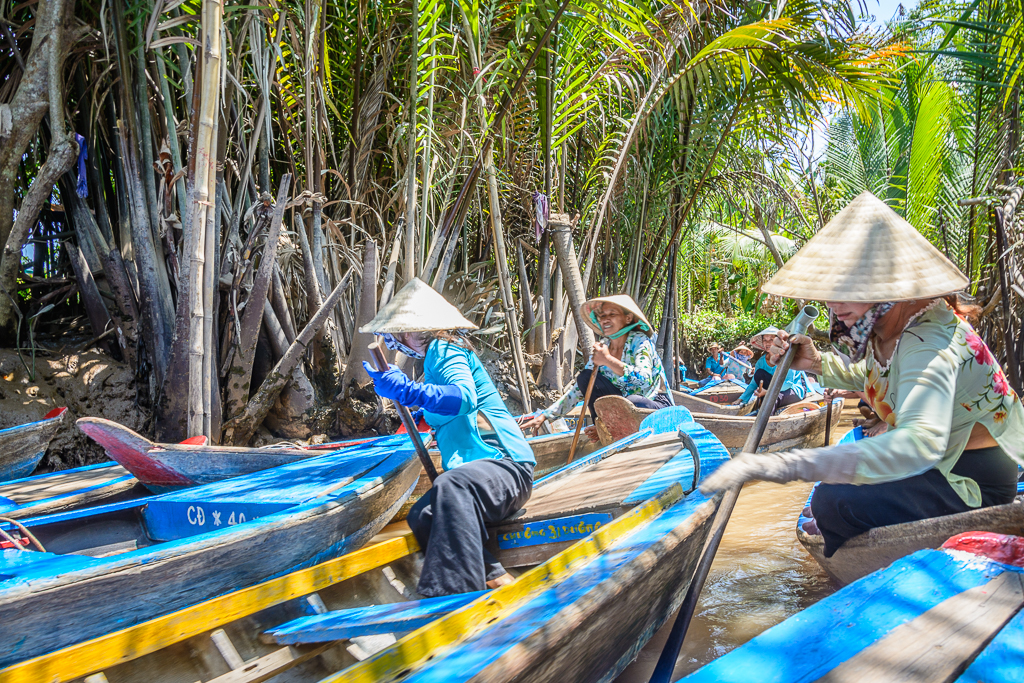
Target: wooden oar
x,y
828,422
406,417
667,660
583,414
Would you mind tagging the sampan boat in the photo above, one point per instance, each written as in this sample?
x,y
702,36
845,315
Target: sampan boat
x,y
614,563
720,391
67,489
801,425
110,566
936,616
171,467
22,447
879,547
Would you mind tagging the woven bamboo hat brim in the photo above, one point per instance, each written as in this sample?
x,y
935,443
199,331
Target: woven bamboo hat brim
x,y
623,301
867,254
417,308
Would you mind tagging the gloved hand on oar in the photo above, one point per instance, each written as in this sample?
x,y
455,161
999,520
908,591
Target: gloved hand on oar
x,y
435,398
833,465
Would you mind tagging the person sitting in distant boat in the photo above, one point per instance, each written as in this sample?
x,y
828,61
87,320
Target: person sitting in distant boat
x,y
628,364
737,363
901,335
488,469
794,389
715,364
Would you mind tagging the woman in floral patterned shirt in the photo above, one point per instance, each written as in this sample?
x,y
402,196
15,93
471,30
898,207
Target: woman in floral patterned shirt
x,y
628,364
956,427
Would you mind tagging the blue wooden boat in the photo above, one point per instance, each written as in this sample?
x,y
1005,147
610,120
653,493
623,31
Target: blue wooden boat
x,y
952,614
879,547
110,566
22,447
606,570
67,489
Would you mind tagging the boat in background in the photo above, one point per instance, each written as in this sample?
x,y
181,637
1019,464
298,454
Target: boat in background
x,y
111,566
801,425
879,547
616,559
952,614
22,447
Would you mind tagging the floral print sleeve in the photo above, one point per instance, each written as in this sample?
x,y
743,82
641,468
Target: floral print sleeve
x,y
639,359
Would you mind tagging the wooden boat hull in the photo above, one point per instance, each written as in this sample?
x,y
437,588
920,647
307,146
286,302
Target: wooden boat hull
x,y
882,546
79,487
582,615
294,516
938,615
698,404
22,447
617,417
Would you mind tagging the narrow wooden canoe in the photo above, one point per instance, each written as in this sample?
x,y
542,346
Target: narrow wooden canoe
x,y
880,547
697,404
603,589
79,487
804,429
723,391
22,447
938,615
115,565
171,467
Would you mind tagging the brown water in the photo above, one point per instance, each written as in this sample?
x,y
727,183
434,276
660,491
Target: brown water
x,y
761,576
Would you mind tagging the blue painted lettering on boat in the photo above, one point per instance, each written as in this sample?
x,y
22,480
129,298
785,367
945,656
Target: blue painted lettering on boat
x,y
554,530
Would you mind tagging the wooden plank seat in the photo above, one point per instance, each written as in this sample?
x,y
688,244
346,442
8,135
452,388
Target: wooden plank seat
x,y
393,617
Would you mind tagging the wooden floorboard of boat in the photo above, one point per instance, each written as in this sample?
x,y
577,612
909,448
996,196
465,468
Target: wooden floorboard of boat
x,y
605,484
27,492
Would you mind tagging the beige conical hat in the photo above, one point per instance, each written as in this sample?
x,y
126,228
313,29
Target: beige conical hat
x,y
867,254
623,301
417,308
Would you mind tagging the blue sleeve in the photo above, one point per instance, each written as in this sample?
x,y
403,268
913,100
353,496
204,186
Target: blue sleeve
x,y
451,366
748,392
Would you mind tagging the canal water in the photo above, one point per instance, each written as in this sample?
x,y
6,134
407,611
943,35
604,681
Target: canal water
x,y
760,577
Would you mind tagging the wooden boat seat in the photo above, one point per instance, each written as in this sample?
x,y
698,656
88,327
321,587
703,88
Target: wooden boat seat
x,y
395,617
799,408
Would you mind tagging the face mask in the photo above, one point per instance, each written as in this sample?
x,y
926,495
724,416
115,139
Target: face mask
x,y
853,341
392,343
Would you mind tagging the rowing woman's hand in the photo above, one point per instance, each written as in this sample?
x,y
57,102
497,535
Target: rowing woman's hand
x,y
806,357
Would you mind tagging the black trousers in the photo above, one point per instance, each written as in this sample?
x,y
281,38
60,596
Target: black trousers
x,y
843,511
604,387
449,523
785,398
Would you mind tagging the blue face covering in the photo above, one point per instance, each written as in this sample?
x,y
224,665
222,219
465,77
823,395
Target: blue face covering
x,y
392,343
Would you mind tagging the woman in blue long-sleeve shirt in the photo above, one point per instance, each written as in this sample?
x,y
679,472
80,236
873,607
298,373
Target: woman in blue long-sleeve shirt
x,y
488,469
794,389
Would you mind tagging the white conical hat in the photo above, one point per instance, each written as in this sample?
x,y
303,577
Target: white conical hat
x,y
417,308
867,254
623,301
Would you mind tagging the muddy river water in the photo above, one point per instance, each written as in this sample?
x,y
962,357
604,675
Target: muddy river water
x,y
760,577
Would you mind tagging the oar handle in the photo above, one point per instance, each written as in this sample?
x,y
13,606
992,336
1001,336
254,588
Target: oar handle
x,y
410,425
669,654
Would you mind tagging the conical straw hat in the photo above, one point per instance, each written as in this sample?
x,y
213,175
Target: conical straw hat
x,y
417,308
867,254
623,301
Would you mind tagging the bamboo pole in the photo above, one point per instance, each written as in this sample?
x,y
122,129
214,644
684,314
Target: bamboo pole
x,y
561,232
410,198
203,211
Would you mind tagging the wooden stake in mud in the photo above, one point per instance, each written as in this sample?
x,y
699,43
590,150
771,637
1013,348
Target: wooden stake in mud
x,y
667,660
583,414
410,426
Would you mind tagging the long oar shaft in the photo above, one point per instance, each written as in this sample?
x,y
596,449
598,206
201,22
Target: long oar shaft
x,y
667,661
406,417
583,414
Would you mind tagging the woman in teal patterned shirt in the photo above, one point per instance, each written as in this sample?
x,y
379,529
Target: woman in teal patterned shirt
x,y
628,364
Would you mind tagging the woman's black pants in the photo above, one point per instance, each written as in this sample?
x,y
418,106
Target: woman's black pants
x,y
450,520
786,398
843,511
604,387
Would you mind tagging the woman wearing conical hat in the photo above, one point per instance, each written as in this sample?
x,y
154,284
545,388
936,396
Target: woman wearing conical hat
x,y
628,364
488,474
794,388
956,428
